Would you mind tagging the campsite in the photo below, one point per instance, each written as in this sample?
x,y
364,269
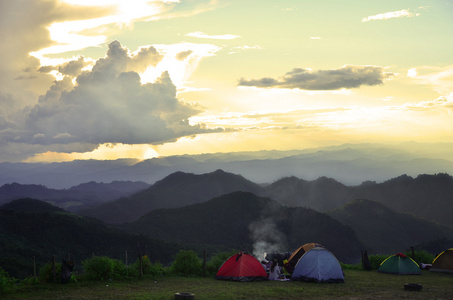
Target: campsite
x,y
358,285
316,275
323,257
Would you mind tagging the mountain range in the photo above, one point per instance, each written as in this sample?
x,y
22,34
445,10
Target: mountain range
x,y
426,196
72,199
384,230
350,164
242,220
220,210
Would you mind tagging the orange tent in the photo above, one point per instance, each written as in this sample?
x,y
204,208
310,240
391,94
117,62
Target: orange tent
x,y
294,258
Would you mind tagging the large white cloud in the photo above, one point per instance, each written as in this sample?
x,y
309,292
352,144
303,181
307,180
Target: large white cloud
x,y
346,77
108,105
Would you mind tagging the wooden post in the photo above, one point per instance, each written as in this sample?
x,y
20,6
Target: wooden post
x,y
413,253
141,265
204,263
54,269
34,267
126,260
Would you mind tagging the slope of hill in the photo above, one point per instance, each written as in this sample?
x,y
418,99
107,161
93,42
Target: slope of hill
x,y
74,198
34,228
321,194
29,205
176,190
426,196
245,221
386,231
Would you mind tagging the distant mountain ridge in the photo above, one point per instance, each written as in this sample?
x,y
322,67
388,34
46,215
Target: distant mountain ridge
x,y
350,164
176,190
426,196
74,198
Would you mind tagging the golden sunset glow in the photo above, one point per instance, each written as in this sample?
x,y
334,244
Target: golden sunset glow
x,y
140,79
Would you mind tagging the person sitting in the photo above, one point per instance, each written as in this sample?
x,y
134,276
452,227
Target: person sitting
x,y
265,263
274,271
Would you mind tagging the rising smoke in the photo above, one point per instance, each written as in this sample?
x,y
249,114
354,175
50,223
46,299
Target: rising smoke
x,y
267,238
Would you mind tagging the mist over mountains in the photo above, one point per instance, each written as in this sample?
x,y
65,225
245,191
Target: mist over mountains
x,y
350,164
220,209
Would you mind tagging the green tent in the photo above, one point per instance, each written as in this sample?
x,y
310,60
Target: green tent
x,y
400,264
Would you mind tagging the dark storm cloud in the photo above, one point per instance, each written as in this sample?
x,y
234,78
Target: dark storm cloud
x,y
346,77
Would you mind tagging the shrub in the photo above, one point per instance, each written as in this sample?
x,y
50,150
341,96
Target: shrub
x,y
351,267
30,281
376,260
421,256
149,269
213,265
187,263
46,273
102,267
6,281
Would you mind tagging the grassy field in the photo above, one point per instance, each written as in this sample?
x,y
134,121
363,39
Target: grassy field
x,y
358,285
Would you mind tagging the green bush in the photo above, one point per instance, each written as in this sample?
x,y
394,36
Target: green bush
x,y
149,269
216,261
30,281
421,256
376,260
102,268
187,263
46,273
6,281
351,267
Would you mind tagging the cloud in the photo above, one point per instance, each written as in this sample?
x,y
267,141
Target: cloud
x,y
346,77
142,59
391,15
183,55
440,78
201,35
108,105
443,102
244,48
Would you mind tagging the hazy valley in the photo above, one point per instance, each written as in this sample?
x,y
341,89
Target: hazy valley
x,y
221,210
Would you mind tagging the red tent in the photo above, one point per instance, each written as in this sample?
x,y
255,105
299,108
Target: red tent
x,y
241,267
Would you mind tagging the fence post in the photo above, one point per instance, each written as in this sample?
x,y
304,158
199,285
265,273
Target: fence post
x,y
54,269
34,267
204,263
126,260
141,265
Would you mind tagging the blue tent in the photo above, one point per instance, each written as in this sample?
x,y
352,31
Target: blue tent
x,y
318,265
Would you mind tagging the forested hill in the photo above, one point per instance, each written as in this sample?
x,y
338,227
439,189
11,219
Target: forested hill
x,y
386,231
75,198
426,196
32,228
176,190
243,220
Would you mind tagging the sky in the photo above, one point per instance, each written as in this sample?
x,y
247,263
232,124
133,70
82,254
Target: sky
x,y
98,79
